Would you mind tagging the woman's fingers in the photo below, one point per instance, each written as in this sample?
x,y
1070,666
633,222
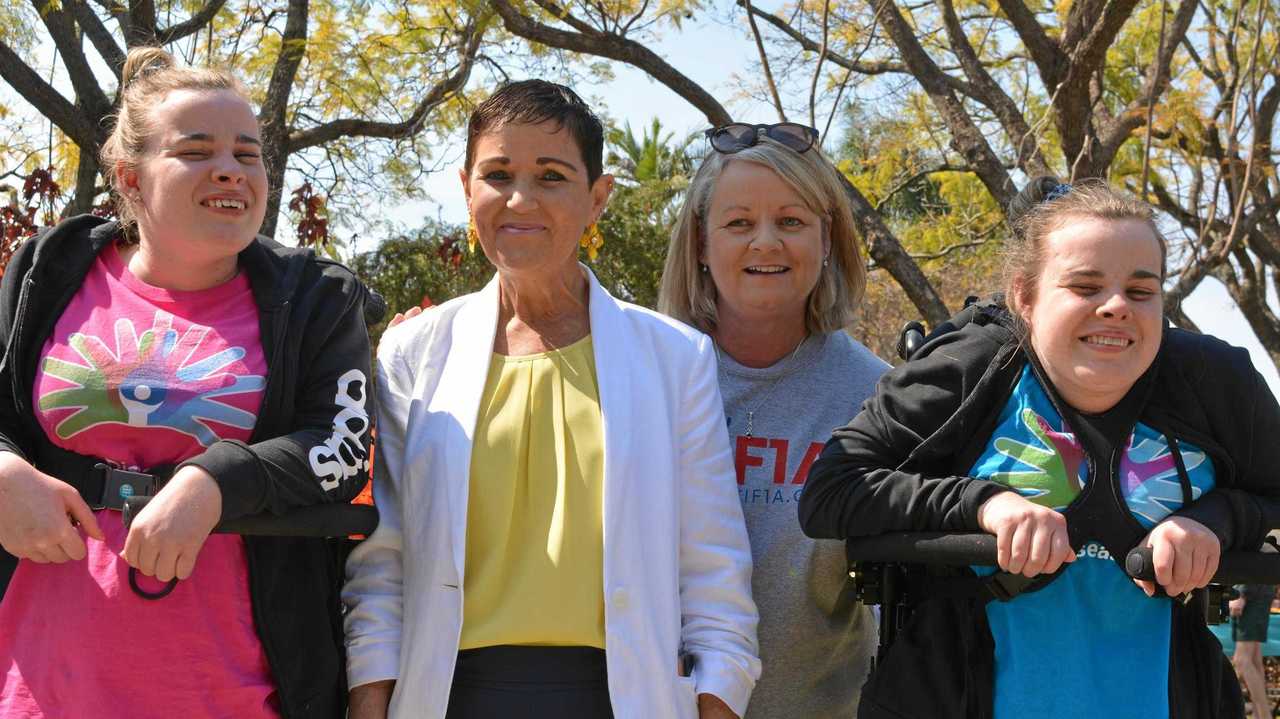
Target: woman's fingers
x,y
71,544
186,565
80,512
1041,556
166,564
148,554
1060,552
1004,546
402,316
1162,556
1184,554
1212,557
1149,588
1030,539
1019,547
36,514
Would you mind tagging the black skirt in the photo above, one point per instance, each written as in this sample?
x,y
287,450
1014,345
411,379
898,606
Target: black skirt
x,y
530,682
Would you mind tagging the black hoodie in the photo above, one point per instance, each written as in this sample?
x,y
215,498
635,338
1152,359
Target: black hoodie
x,y
310,444
901,465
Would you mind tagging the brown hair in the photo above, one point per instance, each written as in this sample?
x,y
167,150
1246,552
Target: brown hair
x,y
689,295
533,102
1045,206
148,75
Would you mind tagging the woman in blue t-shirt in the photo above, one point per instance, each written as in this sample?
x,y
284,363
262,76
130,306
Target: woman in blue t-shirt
x,y
1074,425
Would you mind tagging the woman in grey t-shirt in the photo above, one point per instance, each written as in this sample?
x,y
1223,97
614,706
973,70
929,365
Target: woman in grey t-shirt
x,y
762,258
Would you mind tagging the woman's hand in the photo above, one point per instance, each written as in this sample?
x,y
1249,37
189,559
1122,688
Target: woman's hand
x,y
402,316
38,514
1184,554
1030,539
711,706
1236,606
166,536
370,701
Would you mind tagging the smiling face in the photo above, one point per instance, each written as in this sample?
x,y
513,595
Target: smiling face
x,y
1096,314
199,191
530,198
764,247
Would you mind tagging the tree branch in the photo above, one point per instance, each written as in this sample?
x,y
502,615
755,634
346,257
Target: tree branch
x,y
948,250
817,69
859,66
1044,50
614,47
887,252
764,63
275,130
912,179
966,138
994,97
1114,134
441,91
44,98
142,23
98,34
191,25
1086,41
1250,296
62,29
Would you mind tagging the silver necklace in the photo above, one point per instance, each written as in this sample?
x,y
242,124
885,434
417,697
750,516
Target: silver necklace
x,y
751,413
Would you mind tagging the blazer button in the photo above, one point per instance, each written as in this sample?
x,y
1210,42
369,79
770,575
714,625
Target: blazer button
x,y
620,599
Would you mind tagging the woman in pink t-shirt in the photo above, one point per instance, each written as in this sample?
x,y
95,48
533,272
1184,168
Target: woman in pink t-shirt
x,y
173,353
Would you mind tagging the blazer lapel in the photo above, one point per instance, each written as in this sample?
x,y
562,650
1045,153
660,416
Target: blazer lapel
x,y
462,384
614,350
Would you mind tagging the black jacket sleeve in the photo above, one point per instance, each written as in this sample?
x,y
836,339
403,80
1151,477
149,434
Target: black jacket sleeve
x,y
1244,416
324,456
13,435
888,469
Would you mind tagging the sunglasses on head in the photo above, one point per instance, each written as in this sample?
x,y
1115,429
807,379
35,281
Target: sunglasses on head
x,y
737,136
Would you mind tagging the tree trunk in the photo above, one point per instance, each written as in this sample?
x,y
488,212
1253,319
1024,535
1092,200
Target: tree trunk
x,y
86,184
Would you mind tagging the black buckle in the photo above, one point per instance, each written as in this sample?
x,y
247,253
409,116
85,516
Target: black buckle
x,y
119,484
1005,586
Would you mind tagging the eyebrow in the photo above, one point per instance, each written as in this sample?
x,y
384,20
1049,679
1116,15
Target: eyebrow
x,y
504,160
1099,274
794,205
206,137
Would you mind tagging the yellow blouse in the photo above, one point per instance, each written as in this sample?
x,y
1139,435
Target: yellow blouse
x,y
535,517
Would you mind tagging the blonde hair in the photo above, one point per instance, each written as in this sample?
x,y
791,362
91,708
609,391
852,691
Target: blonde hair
x,y
689,295
1024,253
148,75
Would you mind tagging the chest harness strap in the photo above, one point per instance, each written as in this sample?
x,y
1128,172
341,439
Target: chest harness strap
x,y
1098,514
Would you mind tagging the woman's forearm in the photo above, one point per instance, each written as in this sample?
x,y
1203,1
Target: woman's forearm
x,y
370,701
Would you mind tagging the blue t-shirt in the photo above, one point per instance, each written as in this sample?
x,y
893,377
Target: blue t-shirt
x,y
1091,643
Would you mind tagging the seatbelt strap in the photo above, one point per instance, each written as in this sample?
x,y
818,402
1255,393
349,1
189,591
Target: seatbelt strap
x,y
100,485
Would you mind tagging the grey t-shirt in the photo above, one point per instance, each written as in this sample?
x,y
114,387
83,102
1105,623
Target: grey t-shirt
x,y
815,654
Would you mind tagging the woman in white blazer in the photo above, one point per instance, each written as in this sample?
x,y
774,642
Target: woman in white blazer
x,y
560,533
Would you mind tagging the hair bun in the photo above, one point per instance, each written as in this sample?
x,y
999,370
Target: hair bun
x,y
143,61
1040,189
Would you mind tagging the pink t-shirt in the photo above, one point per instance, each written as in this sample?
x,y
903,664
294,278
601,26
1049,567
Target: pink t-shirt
x,y
141,376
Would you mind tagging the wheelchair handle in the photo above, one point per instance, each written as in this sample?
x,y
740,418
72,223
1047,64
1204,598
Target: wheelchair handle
x,y
320,521
976,548
1233,567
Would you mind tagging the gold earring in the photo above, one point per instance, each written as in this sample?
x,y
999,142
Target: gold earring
x,y
472,236
592,241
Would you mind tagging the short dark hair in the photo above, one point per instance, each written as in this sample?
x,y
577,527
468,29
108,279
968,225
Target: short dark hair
x,y
533,102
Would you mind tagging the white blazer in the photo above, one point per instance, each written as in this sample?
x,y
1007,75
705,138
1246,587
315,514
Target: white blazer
x,y
677,565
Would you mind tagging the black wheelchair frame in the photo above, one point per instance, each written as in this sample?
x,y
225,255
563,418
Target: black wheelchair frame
x,y
324,521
